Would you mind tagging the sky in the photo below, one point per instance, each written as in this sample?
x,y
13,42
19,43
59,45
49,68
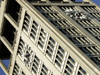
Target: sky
x,y
6,62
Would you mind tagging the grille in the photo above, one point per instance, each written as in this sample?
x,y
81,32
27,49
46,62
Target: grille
x,y
31,60
93,11
17,70
82,42
69,31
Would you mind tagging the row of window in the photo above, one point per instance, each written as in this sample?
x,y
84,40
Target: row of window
x,y
93,11
49,46
17,70
83,42
31,60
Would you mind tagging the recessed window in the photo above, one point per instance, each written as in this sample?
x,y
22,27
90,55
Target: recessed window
x,y
13,8
8,31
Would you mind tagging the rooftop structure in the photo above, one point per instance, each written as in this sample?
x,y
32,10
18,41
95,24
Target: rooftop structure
x,y
50,37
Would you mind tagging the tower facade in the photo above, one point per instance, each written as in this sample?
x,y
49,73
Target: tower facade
x,y
50,37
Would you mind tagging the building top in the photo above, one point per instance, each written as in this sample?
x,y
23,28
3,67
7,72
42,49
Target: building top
x,y
62,33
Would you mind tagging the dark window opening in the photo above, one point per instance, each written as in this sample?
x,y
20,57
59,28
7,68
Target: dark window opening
x,y
4,54
13,8
8,31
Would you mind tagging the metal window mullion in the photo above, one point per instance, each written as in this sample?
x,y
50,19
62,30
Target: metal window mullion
x,y
69,32
81,72
43,8
86,23
15,73
20,51
64,24
40,66
98,31
41,42
76,68
30,26
70,66
50,51
75,32
91,31
84,41
60,16
47,8
90,9
88,41
34,69
98,15
21,43
61,53
33,24
68,71
45,70
90,50
44,33
82,23
51,15
94,15
79,41
89,23
55,51
95,51
92,23
27,17
59,23
25,26
59,60
37,35
65,63
85,8
32,34
33,30
93,9
52,43
55,16
42,37
16,67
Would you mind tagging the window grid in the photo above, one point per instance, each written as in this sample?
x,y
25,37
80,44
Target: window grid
x,y
26,23
82,42
42,39
81,71
70,65
93,11
31,61
67,29
51,48
34,31
60,58
17,70
91,27
44,70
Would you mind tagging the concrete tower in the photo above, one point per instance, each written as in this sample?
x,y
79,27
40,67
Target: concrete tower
x,y
50,37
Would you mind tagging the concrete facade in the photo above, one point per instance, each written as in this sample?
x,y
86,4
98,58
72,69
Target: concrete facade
x,y
50,37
